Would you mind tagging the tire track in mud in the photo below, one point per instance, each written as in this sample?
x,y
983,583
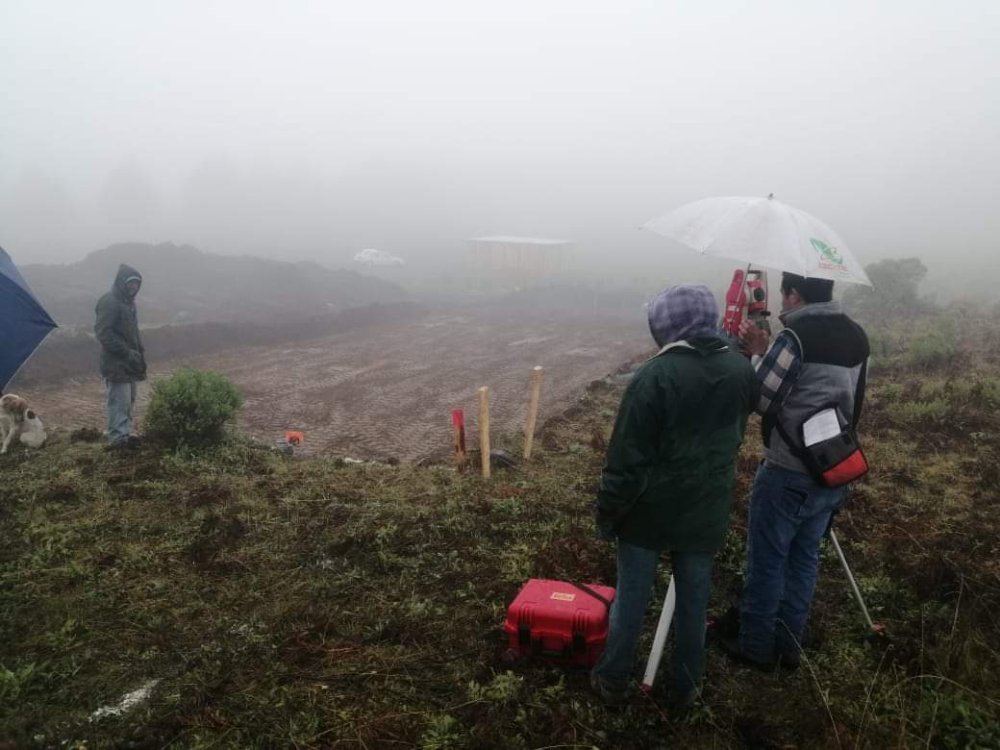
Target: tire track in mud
x,y
389,391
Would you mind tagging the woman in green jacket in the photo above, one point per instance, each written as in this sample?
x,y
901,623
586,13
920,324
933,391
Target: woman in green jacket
x,y
668,481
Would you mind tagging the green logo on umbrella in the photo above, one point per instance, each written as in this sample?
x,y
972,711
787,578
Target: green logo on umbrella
x,y
827,253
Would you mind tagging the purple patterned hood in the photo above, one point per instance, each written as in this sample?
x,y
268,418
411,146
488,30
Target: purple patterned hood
x,y
683,312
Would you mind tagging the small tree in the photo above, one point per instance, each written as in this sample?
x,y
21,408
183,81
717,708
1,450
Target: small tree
x,y
895,289
191,407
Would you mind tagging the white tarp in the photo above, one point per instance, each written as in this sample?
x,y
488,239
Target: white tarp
x,y
127,703
372,257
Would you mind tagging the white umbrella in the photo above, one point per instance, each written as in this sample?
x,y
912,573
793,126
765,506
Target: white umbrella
x,y
764,232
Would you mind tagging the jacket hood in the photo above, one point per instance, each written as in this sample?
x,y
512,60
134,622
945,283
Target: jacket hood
x,y
125,274
812,308
681,312
704,344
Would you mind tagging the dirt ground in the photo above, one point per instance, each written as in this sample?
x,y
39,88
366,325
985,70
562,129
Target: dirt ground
x,y
389,391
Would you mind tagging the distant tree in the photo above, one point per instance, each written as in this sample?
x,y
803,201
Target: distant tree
x,y
895,289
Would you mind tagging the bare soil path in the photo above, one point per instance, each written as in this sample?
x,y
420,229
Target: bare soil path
x,y
389,391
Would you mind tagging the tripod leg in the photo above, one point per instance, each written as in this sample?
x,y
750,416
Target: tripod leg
x,y
850,577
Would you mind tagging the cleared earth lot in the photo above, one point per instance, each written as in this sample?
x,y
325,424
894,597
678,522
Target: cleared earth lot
x,y
388,391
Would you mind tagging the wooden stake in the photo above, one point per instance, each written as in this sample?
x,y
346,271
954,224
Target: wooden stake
x,y
458,437
484,429
536,393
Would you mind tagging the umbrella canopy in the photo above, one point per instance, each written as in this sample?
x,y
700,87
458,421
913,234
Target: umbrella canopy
x,y
763,232
23,321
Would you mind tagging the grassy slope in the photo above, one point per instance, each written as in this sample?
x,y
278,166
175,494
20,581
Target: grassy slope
x,y
306,603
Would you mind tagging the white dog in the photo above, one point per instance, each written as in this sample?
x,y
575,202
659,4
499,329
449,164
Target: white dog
x,y
17,421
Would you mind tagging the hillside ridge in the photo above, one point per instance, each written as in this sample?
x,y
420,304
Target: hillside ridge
x,y
182,284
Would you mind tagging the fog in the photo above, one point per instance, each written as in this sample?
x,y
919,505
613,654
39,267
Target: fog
x,y
311,130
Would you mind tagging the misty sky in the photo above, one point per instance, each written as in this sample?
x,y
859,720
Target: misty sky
x,y
315,129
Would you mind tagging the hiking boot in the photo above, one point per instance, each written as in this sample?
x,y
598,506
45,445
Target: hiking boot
x,y
731,647
788,661
679,705
726,625
130,443
611,692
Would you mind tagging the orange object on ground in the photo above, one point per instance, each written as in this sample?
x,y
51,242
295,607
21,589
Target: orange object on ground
x,y
294,437
561,621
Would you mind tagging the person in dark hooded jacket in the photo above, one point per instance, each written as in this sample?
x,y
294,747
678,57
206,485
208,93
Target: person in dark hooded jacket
x,y
668,482
123,360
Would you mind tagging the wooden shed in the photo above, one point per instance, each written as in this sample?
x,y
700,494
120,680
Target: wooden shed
x,y
526,257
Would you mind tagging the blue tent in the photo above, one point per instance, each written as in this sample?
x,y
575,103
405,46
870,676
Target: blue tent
x,y
23,321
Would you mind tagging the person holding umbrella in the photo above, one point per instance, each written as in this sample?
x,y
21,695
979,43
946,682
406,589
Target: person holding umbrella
x,y
123,359
817,363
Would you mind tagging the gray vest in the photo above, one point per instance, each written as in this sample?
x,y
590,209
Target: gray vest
x,y
833,349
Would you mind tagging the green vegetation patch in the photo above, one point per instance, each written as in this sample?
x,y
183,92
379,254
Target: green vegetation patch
x,y
191,408
243,598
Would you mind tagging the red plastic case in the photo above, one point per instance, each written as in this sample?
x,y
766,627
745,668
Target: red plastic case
x,y
559,621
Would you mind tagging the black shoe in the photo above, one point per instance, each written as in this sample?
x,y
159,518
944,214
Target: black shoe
x,y
130,443
611,694
789,662
679,705
731,647
726,625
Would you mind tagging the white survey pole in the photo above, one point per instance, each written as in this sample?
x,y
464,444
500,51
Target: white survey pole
x,y
660,639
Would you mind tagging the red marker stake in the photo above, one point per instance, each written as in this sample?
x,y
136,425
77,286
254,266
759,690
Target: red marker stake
x,y
458,437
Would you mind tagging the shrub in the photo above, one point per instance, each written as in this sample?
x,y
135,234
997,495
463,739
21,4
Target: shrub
x,y
920,412
191,408
442,732
934,347
889,392
986,392
886,346
965,390
957,722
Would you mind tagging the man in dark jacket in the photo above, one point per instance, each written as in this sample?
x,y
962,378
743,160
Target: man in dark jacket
x,y
818,360
123,361
668,481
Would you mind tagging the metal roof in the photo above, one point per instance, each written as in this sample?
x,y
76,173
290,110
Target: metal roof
x,y
508,240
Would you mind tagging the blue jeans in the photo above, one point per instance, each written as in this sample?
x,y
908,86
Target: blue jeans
x,y
789,513
636,572
121,403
